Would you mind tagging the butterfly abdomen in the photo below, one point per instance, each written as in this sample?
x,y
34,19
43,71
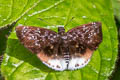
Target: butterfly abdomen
x,y
66,57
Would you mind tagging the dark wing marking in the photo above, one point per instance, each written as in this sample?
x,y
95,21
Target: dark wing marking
x,y
37,39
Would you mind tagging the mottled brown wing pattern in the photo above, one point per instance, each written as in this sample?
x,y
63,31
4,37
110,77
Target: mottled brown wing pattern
x,y
89,35
35,38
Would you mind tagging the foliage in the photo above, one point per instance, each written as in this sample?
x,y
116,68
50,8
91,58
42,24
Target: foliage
x,y
19,63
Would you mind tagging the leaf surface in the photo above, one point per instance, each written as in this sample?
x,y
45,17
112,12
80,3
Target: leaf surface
x,y
13,10
19,63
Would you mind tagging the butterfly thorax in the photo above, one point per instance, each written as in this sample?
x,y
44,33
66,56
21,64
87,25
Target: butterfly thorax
x,y
63,40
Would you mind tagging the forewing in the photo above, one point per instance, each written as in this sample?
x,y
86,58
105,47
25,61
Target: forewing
x,y
83,40
43,42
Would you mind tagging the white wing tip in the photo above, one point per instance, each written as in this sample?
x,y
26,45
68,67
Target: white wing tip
x,y
77,63
57,64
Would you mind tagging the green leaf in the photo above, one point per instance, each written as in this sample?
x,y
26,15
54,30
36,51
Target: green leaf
x,y
116,6
4,33
21,64
13,10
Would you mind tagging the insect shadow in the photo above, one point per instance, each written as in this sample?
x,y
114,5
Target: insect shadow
x,y
25,55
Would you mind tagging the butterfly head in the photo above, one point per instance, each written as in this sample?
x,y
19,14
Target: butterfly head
x,y
61,30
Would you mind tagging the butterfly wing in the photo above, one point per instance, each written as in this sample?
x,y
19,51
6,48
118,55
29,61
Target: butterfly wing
x,y
44,43
83,41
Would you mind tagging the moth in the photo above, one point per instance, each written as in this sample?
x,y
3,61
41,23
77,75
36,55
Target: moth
x,y
60,51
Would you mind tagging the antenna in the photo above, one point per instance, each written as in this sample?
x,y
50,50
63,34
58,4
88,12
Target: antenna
x,y
55,25
45,21
69,21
